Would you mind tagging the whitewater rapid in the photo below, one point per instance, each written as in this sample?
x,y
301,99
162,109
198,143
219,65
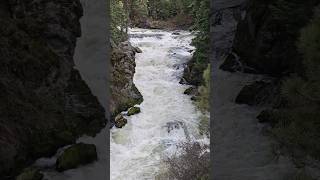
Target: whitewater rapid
x,y
137,149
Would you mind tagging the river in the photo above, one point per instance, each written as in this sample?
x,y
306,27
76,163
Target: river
x,y
167,118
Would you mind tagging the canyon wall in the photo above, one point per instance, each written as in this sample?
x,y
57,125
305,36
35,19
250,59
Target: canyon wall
x,y
44,102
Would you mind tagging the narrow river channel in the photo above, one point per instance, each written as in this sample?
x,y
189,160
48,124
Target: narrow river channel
x,y
168,117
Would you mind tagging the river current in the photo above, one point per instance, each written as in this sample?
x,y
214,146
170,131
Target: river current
x,y
168,117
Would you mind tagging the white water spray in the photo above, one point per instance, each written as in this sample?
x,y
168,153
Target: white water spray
x,y
167,118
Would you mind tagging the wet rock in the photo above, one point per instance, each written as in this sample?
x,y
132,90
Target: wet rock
x,y
138,50
124,93
191,91
133,111
176,125
30,174
192,73
76,155
120,121
259,93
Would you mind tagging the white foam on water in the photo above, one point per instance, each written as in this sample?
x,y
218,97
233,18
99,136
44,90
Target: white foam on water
x,y
138,148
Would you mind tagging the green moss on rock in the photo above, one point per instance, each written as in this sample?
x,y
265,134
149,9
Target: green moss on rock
x,y
133,111
76,155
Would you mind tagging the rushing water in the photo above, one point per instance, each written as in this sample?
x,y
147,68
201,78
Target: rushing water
x,y
167,118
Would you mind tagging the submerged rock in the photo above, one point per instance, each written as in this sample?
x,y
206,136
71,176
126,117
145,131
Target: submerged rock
x,y
30,174
76,155
176,125
133,111
120,121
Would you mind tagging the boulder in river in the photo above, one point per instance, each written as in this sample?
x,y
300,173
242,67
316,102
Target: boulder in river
x,y
30,174
133,111
137,50
76,155
120,121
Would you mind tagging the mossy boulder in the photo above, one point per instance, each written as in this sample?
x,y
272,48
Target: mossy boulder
x,y
133,111
76,155
190,91
30,174
120,121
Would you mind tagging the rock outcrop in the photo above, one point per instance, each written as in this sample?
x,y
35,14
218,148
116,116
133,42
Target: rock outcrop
x,y
266,38
262,39
44,103
120,121
76,155
260,93
124,93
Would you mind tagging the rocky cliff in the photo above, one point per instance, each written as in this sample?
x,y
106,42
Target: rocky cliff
x,y
44,103
265,40
124,93
259,39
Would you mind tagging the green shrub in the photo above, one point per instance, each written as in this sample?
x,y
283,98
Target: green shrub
x,y
299,125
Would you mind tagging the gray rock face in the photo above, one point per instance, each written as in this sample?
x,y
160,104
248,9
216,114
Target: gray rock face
x,y
266,38
240,150
124,93
44,103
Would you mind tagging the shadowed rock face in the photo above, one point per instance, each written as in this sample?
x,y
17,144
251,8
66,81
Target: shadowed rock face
x,y
124,93
44,103
266,38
